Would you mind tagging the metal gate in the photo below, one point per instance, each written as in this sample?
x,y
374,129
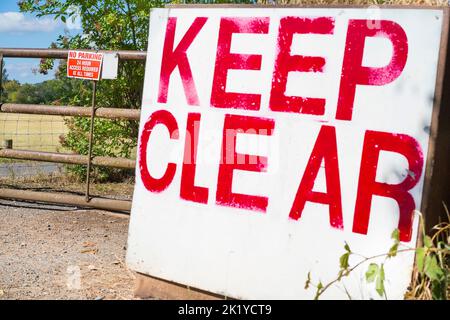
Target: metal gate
x,y
88,160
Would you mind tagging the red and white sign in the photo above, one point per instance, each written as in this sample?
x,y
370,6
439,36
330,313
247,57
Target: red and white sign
x,y
271,137
84,65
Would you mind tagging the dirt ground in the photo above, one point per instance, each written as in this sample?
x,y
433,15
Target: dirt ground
x,y
62,253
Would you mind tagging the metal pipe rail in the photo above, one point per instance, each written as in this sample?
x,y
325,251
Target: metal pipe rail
x,y
121,163
107,113
62,53
66,199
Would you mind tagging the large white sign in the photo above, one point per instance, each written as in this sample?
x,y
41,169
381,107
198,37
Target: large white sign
x,y
271,137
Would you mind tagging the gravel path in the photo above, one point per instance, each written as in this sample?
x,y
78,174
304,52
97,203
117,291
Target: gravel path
x,y
27,169
62,253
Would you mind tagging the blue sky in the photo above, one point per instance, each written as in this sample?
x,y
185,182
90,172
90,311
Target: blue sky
x,y
18,30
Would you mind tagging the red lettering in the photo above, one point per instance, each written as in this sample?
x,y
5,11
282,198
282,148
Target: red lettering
x,y
231,161
152,184
353,73
178,58
225,60
189,191
285,62
324,150
374,142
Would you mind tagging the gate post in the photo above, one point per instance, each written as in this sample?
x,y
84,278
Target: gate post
x,y
91,138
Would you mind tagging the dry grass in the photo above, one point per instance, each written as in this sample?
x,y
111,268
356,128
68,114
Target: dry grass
x,y
61,182
421,287
32,132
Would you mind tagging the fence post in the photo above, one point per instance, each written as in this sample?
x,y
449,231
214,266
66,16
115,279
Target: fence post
x,y
91,139
7,144
1,78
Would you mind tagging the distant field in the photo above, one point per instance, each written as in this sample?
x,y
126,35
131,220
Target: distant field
x,y
32,132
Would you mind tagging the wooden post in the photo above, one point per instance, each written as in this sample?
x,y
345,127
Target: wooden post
x,y
151,287
7,144
436,194
1,78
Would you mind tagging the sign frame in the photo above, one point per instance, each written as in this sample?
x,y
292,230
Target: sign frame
x,y
436,174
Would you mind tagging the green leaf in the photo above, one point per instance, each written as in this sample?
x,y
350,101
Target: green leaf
x,y
318,291
396,235
319,286
438,290
63,19
347,247
393,250
420,256
380,281
344,260
371,272
427,242
432,268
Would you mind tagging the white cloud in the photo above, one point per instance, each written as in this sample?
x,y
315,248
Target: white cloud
x,y
18,22
74,22
21,69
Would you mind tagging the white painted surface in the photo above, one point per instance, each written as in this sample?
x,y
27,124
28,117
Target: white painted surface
x,y
110,66
248,254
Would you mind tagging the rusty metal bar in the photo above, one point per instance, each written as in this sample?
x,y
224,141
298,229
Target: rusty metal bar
x,y
106,113
67,199
121,163
62,53
91,139
1,78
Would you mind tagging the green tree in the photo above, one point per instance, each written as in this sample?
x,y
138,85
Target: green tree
x,y
10,89
5,78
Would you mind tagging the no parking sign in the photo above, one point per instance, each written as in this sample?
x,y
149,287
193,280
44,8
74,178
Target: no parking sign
x,y
84,65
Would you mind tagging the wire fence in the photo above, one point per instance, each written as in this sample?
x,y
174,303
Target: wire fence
x,y
44,133
30,132
33,132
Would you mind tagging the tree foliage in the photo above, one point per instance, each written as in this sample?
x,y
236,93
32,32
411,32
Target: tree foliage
x,y
106,25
